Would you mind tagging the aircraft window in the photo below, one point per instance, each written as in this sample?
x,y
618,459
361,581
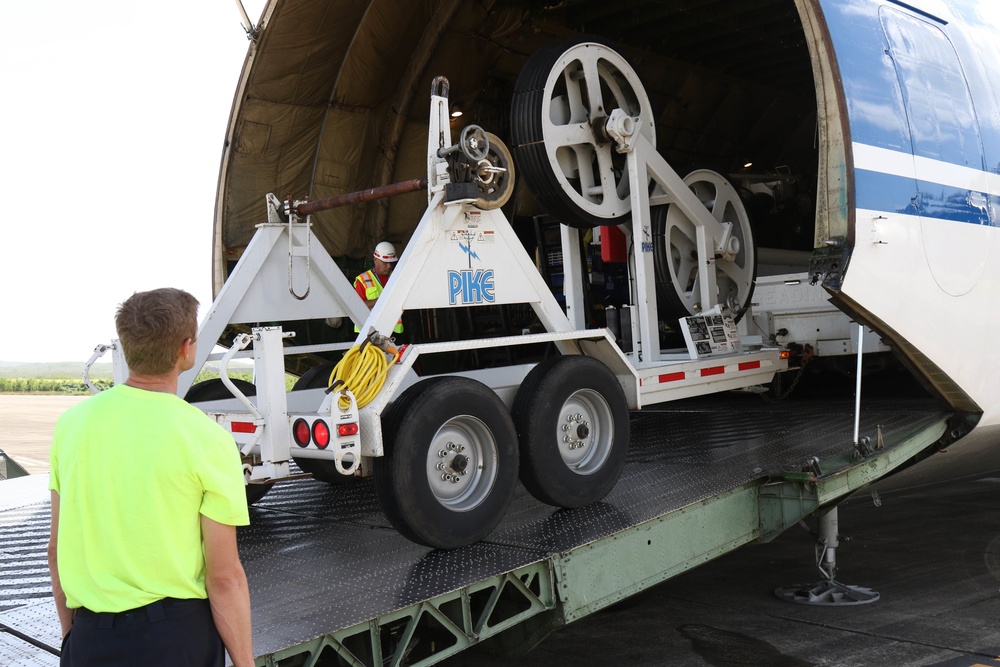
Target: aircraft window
x,y
939,107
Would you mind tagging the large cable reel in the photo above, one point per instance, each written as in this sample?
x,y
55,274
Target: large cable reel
x,y
561,98
675,256
561,102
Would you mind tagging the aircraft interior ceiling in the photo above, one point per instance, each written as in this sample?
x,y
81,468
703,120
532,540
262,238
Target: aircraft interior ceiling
x,y
334,98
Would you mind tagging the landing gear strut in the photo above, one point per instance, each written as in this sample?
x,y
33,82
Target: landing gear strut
x,y
828,592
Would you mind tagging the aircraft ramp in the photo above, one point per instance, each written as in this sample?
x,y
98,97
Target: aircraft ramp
x,y
330,577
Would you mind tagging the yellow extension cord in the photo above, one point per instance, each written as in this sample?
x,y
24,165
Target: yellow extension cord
x,y
362,371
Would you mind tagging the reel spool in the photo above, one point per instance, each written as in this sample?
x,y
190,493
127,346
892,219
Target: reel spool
x,y
561,98
675,254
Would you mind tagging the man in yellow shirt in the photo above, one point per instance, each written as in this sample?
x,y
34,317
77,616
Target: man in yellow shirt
x,y
147,492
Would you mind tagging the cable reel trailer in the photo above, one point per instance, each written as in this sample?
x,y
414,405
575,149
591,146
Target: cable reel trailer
x,y
446,449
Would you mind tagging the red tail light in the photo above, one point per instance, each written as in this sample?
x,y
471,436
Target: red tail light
x,y
321,434
347,429
300,432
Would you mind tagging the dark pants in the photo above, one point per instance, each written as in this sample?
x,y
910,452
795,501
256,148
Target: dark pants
x,y
166,632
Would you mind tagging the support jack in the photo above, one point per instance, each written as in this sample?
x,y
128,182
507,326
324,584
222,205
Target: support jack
x,y
828,592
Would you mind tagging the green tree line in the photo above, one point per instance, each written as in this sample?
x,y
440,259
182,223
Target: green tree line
x,y
35,385
48,385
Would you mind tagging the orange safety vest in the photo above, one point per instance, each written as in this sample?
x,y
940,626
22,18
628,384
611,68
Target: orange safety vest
x,y
373,290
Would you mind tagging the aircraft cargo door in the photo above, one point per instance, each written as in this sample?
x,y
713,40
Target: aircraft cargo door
x,y
948,159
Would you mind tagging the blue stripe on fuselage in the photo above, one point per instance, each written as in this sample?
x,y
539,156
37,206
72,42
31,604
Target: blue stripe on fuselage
x,y
900,194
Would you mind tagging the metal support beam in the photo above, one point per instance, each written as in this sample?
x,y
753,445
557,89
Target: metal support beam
x,y
429,631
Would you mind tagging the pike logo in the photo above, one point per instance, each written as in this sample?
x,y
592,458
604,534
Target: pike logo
x,y
468,286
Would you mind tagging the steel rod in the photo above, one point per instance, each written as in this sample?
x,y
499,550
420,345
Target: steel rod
x,y
360,197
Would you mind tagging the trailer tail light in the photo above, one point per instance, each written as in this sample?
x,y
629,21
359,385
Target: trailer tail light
x,y
347,429
785,354
300,432
321,434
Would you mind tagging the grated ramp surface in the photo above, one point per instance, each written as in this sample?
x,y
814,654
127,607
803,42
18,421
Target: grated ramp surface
x,y
320,558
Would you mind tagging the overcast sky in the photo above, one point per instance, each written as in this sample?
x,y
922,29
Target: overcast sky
x,y
114,116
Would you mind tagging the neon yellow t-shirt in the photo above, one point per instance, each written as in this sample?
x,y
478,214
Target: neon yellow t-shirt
x,y
134,471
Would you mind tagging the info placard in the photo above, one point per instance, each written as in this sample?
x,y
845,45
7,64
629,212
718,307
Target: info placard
x,y
710,335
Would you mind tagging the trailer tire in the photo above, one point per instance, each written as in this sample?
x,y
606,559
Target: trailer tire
x,y
316,377
215,390
439,415
325,471
572,424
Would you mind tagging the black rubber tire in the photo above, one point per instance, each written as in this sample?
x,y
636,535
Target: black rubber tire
x,y
538,414
426,413
256,492
316,377
325,471
214,390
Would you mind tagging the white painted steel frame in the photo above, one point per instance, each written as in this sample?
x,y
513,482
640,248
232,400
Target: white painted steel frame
x,y
257,289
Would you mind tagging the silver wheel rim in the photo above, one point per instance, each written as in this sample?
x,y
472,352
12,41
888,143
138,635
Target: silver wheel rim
x,y
585,431
734,277
462,463
589,81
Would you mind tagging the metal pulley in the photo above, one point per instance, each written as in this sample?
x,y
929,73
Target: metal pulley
x,y
472,142
481,167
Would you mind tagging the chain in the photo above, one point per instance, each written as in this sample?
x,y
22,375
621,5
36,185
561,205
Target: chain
x,y
779,395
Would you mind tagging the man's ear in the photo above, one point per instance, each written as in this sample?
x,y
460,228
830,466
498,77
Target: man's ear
x,y
186,353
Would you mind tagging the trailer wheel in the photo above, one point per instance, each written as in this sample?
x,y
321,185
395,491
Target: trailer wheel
x,y
450,463
573,426
214,390
561,97
318,377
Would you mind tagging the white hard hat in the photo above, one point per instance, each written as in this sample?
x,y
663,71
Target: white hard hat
x,y
386,252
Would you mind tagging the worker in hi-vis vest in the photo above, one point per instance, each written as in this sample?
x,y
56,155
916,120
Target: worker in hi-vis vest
x,y
369,285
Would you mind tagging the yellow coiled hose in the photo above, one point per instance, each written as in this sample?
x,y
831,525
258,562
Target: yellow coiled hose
x,y
362,371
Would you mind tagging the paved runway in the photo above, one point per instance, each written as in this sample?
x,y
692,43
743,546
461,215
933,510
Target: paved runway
x,y
932,554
